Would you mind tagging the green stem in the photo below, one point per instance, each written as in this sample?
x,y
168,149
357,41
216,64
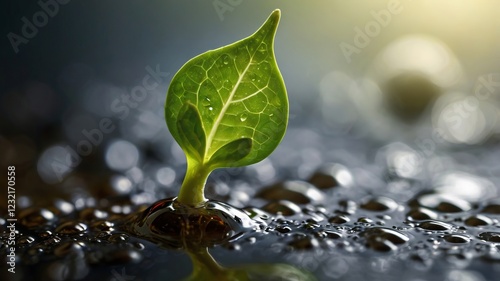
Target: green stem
x,y
193,187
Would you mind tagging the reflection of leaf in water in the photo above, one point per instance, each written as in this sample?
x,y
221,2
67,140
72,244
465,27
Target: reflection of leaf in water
x,y
206,268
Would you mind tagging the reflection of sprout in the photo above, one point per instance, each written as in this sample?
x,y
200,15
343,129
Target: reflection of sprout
x,y
206,268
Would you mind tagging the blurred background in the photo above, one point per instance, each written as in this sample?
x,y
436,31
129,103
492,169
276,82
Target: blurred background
x,y
83,84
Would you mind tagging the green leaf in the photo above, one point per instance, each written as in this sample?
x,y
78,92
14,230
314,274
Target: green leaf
x,y
240,97
232,152
191,131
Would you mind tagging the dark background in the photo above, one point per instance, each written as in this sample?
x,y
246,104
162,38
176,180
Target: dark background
x,y
65,78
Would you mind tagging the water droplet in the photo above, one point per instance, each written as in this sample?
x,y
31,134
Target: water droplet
x,y
384,239
118,237
71,228
243,117
24,240
490,236
435,225
283,207
330,176
296,191
332,234
379,204
174,225
420,214
339,219
226,59
205,101
492,209
89,214
478,220
210,108
262,49
446,203
102,226
456,238
283,229
365,220
34,217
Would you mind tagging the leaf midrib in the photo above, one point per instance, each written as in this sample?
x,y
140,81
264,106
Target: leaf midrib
x,y
224,109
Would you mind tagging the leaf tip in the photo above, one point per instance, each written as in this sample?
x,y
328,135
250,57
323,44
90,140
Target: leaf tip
x,y
271,24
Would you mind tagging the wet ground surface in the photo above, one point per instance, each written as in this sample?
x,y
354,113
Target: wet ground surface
x,y
372,214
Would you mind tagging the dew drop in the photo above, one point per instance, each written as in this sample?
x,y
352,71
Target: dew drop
x,y
456,238
71,228
490,236
243,117
205,101
384,239
379,204
435,225
225,60
33,217
478,220
492,209
173,224
339,219
418,214
283,207
283,229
